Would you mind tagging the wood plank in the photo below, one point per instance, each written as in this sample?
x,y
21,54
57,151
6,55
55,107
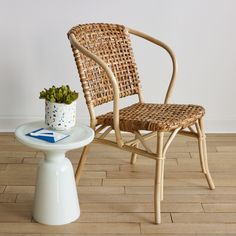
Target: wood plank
x,y
144,207
121,217
93,174
219,207
88,167
7,197
32,160
25,197
227,181
168,175
215,143
130,175
186,164
25,174
14,147
22,234
13,212
231,228
226,148
170,164
7,139
201,198
81,189
2,188
164,234
22,168
180,228
113,159
18,175
114,234
90,182
7,134
215,164
115,198
100,190
14,156
181,190
10,160
178,155
204,217
78,228
218,155
100,150
224,136
98,198
173,149
101,167
128,182
3,167
74,157
19,189
196,175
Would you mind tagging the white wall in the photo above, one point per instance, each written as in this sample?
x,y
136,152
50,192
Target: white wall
x,y
35,52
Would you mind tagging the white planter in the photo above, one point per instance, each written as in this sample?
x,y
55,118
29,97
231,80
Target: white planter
x,y
60,116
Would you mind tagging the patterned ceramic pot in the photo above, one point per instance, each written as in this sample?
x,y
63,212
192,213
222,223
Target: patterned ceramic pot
x,y
60,116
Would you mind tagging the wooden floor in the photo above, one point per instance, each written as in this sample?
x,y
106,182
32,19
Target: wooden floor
x,y
116,198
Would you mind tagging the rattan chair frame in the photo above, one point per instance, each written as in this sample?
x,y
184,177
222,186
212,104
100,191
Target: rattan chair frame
x,y
132,145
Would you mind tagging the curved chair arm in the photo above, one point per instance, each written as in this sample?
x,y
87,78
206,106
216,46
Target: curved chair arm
x,y
170,52
114,84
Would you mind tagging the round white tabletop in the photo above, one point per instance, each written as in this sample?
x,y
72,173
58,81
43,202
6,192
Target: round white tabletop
x,y
80,136
55,200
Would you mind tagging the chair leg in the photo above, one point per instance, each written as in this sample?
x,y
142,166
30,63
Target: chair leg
x,y
81,164
133,158
158,179
203,154
162,178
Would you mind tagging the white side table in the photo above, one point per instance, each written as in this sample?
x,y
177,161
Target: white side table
x,y
56,201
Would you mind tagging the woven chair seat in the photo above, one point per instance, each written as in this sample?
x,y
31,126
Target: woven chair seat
x,y
154,117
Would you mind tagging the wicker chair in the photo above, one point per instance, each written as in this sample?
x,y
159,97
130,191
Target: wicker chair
x,y
108,71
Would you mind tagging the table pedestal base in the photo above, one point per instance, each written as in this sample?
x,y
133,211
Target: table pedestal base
x,y
56,201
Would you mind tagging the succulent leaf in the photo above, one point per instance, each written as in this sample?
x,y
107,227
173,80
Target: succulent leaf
x,y
61,94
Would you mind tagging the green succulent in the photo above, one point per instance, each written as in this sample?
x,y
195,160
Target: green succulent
x,y
61,94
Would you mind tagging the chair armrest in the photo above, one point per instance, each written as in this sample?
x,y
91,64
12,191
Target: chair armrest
x,y
170,52
115,86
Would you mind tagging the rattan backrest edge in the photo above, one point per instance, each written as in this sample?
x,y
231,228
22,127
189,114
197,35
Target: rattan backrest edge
x,y
110,43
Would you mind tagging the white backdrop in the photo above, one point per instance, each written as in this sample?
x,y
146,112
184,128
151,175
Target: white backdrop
x,y
35,53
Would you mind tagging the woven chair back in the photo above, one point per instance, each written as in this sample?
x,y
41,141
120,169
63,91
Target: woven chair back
x,y
112,44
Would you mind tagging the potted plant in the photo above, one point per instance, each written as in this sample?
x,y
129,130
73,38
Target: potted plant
x,y
60,107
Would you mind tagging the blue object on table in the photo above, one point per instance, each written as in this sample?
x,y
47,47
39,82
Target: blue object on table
x,y
47,135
